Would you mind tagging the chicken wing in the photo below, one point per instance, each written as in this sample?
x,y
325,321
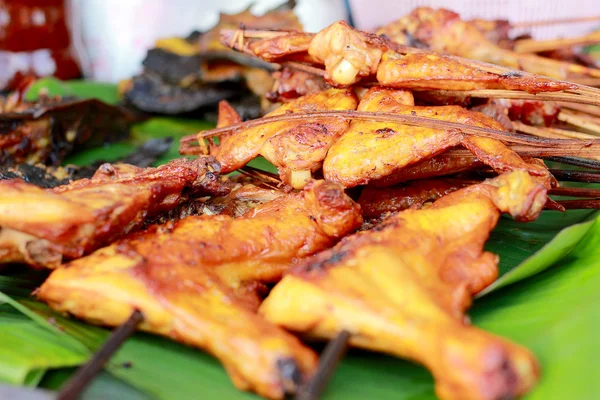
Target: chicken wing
x,y
402,288
296,148
196,281
385,148
443,31
41,227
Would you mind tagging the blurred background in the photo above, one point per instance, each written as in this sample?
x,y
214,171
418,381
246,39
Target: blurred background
x,y
107,40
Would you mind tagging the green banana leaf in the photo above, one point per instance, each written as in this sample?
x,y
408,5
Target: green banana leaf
x,y
546,299
28,349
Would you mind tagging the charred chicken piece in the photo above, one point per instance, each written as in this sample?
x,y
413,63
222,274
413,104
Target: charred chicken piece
x,y
48,130
196,281
402,288
296,148
43,227
443,31
188,76
49,177
386,148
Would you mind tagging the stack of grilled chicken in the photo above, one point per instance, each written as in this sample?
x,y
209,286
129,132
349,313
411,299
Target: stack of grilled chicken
x,y
395,164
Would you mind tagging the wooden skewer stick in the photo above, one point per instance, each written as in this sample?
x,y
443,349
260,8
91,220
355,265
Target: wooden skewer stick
x,y
589,204
268,179
396,118
516,94
576,192
84,375
575,176
577,161
588,109
574,119
548,132
536,46
529,24
330,357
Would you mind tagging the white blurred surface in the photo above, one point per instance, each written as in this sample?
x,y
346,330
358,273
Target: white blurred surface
x,y
370,14
117,33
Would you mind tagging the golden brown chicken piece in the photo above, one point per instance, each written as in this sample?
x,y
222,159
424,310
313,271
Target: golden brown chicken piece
x,y
296,148
402,288
349,56
443,31
196,281
385,148
41,227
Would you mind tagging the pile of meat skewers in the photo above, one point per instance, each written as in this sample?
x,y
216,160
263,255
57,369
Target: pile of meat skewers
x,y
392,174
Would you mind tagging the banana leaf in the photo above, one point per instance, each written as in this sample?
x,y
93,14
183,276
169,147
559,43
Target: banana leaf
x,y
546,299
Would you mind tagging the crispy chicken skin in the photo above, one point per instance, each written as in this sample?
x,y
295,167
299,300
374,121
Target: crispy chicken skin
x,y
40,227
385,148
349,56
443,31
195,281
296,148
402,288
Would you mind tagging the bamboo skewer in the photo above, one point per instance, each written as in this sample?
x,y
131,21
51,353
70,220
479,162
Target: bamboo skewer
x,y
588,109
589,204
84,375
516,94
565,133
268,179
537,46
576,192
530,24
577,161
186,142
330,357
576,176
579,121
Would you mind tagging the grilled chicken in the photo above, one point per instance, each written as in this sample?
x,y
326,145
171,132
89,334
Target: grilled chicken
x,y
296,148
349,56
443,31
196,281
385,148
41,227
402,288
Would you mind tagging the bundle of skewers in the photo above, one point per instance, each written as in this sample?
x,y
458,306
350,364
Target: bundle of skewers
x,y
394,165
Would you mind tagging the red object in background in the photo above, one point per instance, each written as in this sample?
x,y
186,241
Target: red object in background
x,y
35,41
